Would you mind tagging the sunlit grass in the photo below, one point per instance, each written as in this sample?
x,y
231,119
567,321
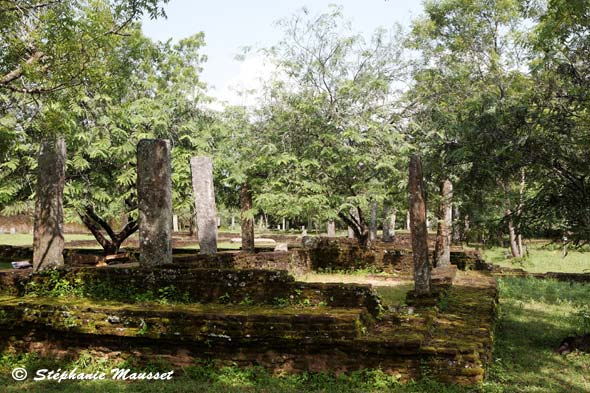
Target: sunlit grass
x,y
26,239
535,315
542,260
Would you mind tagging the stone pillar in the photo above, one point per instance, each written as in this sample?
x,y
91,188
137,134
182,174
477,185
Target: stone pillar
x,y
204,194
154,194
456,236
233,222
247,218
419,234
373,222
408,221
389,224
48,239
331,228
284,224
442,248
175,223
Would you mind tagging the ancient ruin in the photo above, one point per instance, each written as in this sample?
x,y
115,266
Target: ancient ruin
x,y
204,194
48,243
418,228
154,192
442,248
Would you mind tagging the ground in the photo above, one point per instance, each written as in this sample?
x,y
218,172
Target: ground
x,y
534,316
543,257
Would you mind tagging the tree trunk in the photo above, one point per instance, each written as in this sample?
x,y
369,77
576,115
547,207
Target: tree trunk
x,y
247,218
513,241
193,226
519,210
356,224
96,225
442,248
419,233
373,223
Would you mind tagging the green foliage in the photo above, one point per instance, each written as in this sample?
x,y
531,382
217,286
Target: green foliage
x,y
328,119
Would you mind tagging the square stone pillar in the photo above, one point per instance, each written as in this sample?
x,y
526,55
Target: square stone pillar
x,y
154,193
48,238
204,193
418,231
331,228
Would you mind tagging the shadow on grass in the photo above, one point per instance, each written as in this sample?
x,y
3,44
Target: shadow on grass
x,y
524,358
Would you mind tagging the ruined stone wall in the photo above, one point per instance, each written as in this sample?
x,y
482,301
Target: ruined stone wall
x,y
345,254
186,284
448,338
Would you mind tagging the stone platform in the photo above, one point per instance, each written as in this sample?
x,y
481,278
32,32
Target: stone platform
x,y
264,318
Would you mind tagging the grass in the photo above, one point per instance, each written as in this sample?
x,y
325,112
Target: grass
x,y
26,239
534,316
542,258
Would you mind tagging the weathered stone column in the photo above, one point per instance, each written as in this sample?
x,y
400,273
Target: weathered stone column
x,y
373,222
175,223
154,194
389,224
442,248
204,193
247,218
48,238
418,230
331,228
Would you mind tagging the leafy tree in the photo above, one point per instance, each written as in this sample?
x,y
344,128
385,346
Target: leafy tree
x,y
560,203
470,105
330,120
136,89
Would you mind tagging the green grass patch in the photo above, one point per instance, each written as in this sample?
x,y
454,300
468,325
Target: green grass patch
x,y
542,258
535,315
26,239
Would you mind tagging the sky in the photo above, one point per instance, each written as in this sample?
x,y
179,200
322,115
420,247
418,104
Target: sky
x,y
233,24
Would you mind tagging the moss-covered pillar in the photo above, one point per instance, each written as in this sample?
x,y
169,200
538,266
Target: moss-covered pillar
x,y
442,248
418,231
48,239
373,221
247,218
204,194
154,193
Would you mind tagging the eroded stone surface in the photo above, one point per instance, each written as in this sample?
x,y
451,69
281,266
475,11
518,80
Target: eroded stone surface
x,y
204,194
48,239
418,229
451,340
154,193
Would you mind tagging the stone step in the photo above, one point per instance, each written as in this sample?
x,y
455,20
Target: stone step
x,y
188,323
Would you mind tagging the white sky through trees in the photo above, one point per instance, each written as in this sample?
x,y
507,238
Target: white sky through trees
x,y
234,24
